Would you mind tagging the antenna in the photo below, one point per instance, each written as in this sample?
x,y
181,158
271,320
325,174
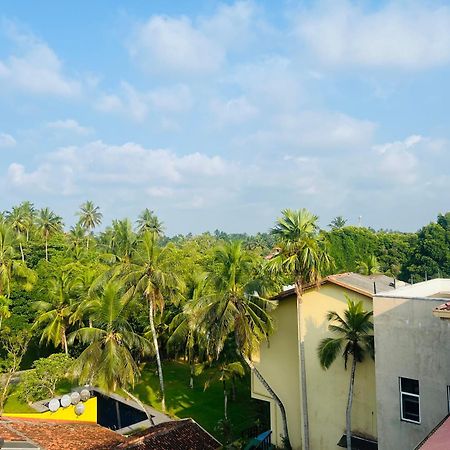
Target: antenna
x,y
359,220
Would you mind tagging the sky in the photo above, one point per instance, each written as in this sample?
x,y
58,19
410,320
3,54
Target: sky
x,y
218,115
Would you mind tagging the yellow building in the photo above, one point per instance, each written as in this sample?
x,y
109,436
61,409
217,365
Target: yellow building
x,y
316,419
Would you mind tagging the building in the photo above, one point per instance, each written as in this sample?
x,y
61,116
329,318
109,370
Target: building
x,y
317,420
412,349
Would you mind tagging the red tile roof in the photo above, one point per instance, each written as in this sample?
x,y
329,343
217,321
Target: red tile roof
x,y
438,439
183,434
59,435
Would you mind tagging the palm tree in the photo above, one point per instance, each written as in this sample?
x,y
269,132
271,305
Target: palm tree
x,y
148,221
301,255
10,267
29,213
225,372
57,311
152,278
122,240
368,266
17,219
337,223
48,223
185,334
237,307
353,339
109,360
90,217
76,237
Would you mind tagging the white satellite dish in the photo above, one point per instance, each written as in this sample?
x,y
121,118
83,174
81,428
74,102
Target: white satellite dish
x,y
85,394
79,409
65,401
75,397
53,405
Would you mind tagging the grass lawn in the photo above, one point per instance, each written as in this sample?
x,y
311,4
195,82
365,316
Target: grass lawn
x,y
204,406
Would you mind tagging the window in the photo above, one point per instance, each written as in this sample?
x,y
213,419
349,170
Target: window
x,y
409,400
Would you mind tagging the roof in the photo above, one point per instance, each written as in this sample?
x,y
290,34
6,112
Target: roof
x,y
48,435
185,434
435,289
361,284
439,438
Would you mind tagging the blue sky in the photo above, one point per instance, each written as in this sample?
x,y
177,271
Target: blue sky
x,y
220,114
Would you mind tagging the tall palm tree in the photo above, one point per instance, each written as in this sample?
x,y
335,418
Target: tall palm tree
x,y
151,277
238,307
29,212
17,219
185,335
122,240
76,237
90,217
12,268
48,223
56,312
337,223
301,255
148,221
109,360
353,339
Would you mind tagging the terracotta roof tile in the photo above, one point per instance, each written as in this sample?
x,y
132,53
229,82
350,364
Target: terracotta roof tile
x,y
60,435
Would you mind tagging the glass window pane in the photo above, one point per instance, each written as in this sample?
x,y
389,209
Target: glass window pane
x,y
410,407
409,385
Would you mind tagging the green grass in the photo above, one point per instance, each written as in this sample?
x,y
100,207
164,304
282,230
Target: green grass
x,y
204,406
15,405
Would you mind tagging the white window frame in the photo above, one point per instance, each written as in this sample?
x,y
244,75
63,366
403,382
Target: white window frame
x,y
411,395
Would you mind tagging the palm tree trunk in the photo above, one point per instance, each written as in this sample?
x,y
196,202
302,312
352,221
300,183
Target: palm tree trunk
x,y
46,248
272,393
158,357
348,415
298,291
21,252
191,380
149,416
64,342
225,401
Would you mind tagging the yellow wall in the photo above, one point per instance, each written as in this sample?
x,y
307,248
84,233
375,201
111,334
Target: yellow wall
x,y
279,365
64,414
326,390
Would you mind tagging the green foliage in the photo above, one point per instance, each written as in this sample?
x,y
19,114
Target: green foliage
x,y
41,382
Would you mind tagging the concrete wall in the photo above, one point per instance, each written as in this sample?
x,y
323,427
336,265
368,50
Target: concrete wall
x,y
326,390
410,342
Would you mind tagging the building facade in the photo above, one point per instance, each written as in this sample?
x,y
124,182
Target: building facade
x,y
412,349
317,420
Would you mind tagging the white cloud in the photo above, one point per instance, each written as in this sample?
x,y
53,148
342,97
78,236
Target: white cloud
x,y
36,68
174,44
414,35
137,105
233,111
68,125
6,140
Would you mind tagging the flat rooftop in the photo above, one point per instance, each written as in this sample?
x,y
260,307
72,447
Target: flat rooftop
x,y
436,289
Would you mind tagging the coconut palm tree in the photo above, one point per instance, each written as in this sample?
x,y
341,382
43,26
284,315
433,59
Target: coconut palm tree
x,y
90,217
148,221
56,312
18,221
302,256
48,223
337,223
29,212
238,307
109,360
151,277
185,335
12,268
353,339
122,240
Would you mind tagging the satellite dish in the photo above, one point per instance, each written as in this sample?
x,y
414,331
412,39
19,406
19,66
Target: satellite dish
x,y
65,401
85,394
75,397
53,405
79,409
